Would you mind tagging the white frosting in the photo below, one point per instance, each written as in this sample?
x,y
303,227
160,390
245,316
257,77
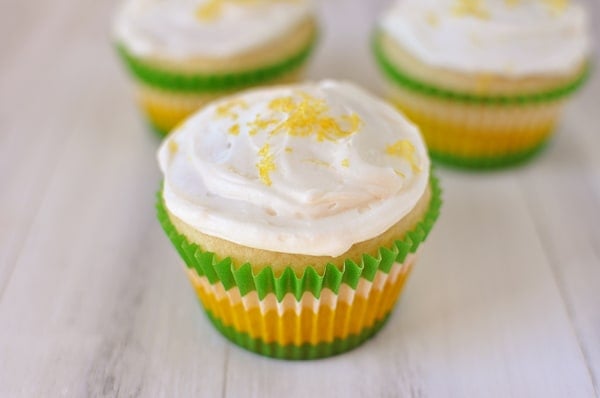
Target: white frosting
x,y
172,28
324,195
507,37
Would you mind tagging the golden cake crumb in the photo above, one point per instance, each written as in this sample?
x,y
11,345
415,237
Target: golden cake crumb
x,y
345,163
483,81
235,129
404,149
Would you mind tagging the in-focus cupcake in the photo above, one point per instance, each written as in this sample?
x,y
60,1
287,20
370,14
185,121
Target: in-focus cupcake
x,y
298,211
485,80
185,53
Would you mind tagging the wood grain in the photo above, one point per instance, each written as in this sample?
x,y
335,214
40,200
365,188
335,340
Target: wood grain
x,y
504,301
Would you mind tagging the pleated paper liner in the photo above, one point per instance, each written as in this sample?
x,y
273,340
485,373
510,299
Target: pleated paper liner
x,y
479,136
309,321
299,352
215,82
308,316
405,80
477,131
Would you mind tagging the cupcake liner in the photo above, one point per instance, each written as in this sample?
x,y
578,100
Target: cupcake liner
x,y
265,282
308,316
297,352
199,82
483,163
291,321
473,130
165,110
479,136
403,79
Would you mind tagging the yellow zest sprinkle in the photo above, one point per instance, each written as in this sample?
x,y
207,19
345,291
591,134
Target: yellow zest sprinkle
x,y
289,149
404,149
235,129
474,8
266,164
209,11
259,124
354,120
284,104
432,19
308,116
226,110
212,9
173,147
556,7
345,163
318,162
399,173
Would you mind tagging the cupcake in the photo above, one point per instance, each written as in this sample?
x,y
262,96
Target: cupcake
x,y
299,211
186,53
485,80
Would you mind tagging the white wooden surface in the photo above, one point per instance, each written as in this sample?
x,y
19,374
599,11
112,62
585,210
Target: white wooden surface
x,y
505,301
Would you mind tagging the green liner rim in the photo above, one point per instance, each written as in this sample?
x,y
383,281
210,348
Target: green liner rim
x,y
265,282
405,80
489,163
303,352
182,82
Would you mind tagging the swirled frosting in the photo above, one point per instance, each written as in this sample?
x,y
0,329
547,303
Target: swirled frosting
x,y
306,169
205,28
506,37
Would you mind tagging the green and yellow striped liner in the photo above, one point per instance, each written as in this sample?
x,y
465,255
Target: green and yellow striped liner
x,y
301,317
213,82
477,131
405,80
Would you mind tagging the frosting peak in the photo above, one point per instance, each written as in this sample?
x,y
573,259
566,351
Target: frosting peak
x,y
307,169
506,37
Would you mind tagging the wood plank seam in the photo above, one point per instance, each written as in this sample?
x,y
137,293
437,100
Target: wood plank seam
x,y
562,291
12,263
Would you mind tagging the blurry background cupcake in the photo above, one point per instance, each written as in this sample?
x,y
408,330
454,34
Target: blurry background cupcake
x,y
299,211
184,53
486,80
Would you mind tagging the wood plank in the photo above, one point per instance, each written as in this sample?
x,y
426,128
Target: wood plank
x,y
85,310
563,195
41,91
